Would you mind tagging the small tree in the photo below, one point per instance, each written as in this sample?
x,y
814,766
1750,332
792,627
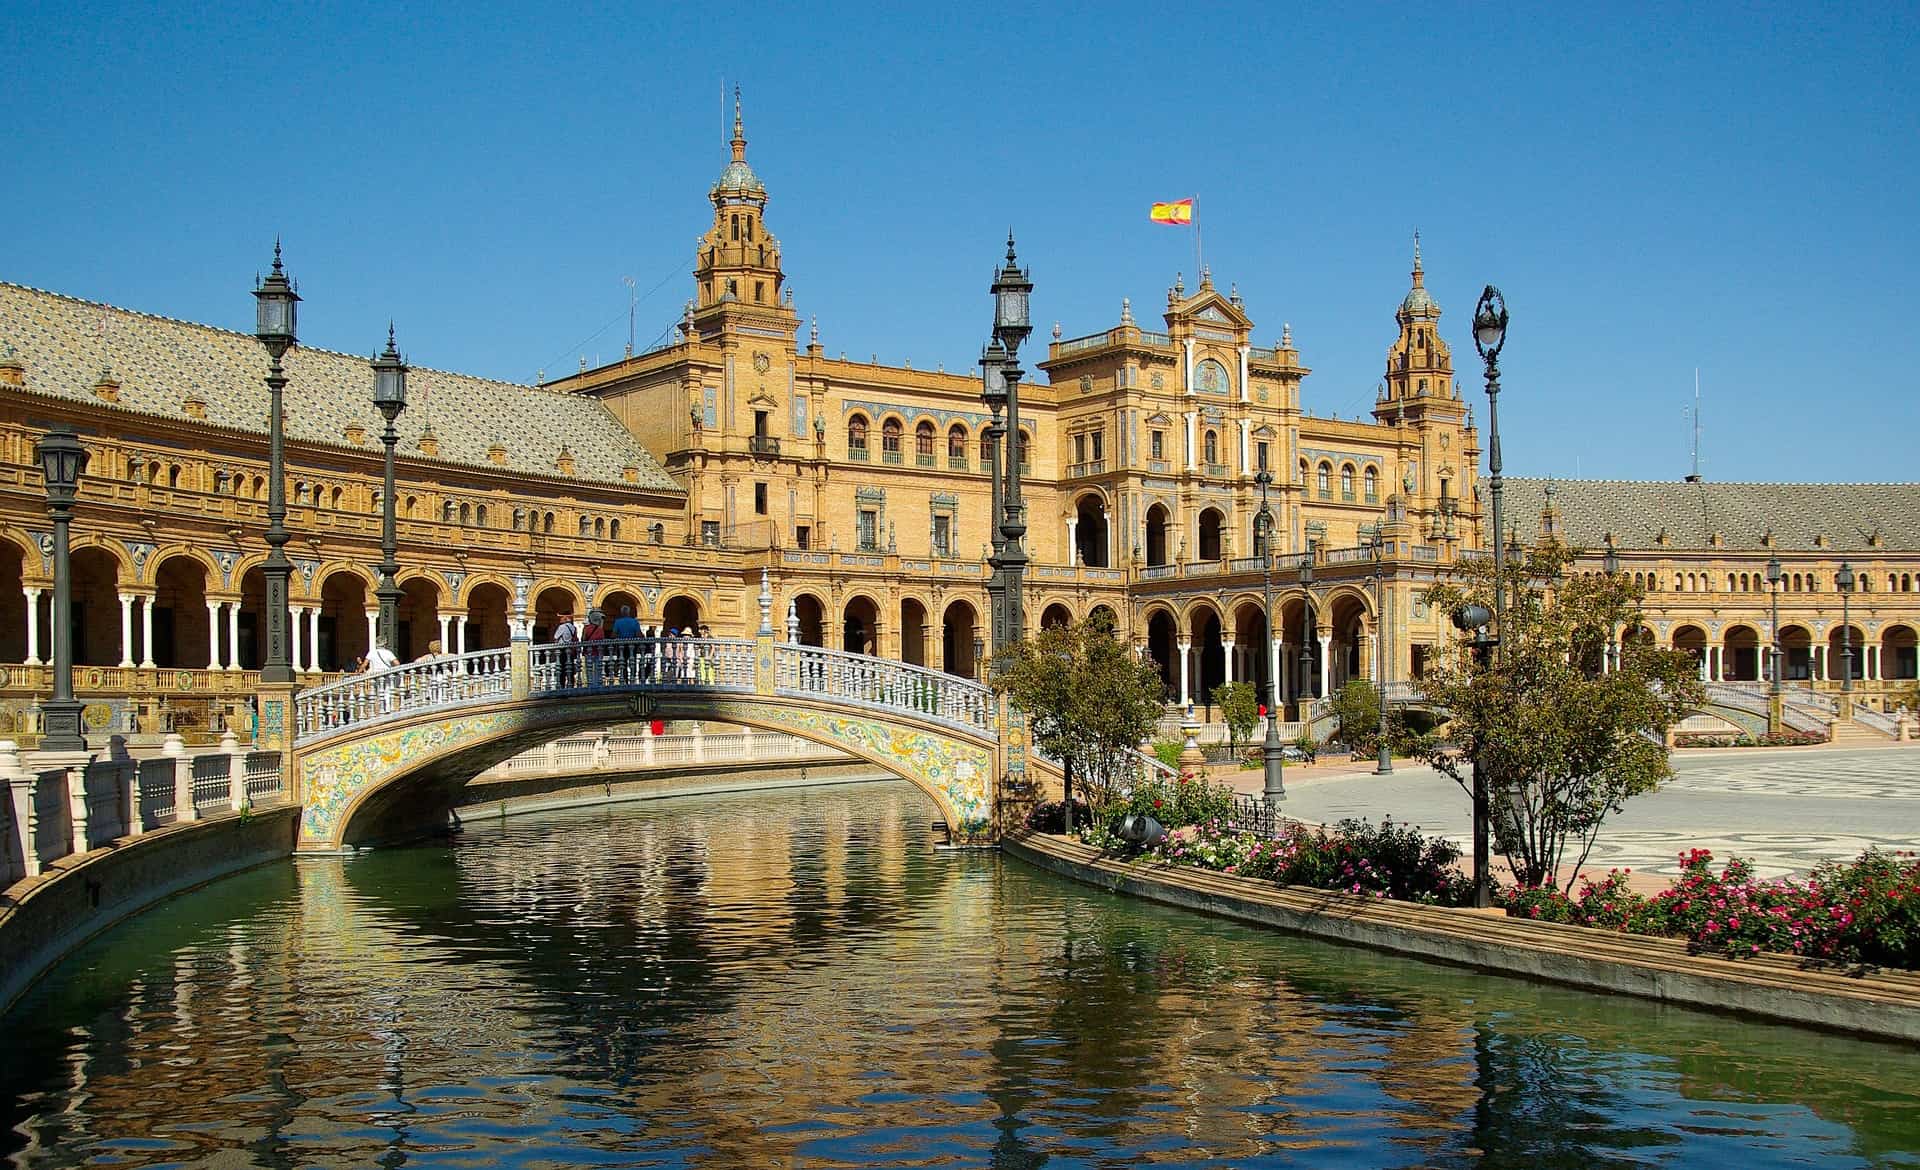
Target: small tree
x,y
1563,744
1356,711
1089,700
1240,705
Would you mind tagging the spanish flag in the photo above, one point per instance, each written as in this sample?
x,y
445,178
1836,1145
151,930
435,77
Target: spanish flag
x,y
1179,212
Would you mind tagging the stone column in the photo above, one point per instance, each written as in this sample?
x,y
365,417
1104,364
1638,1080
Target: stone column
x,y
1186,646
446,640
299,619
1274,651
213,635
313,638
176,751
126,629
18,782
233,634
1283,672
458,625
1226,650
33,627
1073,545
146,632
1326,680
1365,642
373,625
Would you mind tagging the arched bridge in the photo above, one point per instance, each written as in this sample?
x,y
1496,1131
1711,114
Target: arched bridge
x,y
383,755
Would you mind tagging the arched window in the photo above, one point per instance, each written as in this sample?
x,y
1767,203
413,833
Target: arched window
x,y
890,437
259,487
857,436
736,227
479,514
219,483
986,449
1325,483
923,442
1346,481
1303,473
519,519
658,532
599,527
613,530
546,523
957,444
1026,450
1212,447
466,513
337,497
446,512
1373,484
586,526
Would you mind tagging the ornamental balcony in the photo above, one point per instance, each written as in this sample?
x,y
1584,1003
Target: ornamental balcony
x,y
764,447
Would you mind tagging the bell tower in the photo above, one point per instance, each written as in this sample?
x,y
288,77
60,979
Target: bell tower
x,y
1419,381
737,272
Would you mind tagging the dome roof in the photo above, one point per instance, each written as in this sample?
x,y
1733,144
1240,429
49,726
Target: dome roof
x,y
1418,301
739,177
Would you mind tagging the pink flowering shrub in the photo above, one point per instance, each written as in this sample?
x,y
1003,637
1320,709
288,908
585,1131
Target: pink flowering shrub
x,y
1356,857
1863,911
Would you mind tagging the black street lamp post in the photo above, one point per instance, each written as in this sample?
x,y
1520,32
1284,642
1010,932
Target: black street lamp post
x,y
62,461
1385,766
1473,619
1271,764
1844,579
277,309
1489,336
1610,565
1000,372
1774,576
390,397
1309,641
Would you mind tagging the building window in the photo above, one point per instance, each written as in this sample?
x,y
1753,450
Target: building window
x,y
923,444
957,444
1346,482
1373,485
986,450
1213,447
760,499
1260,456
857,437
867,533
943,536
1326,481
760,294
1099,446
1026,443
1156,444
803,536
890,440
1079,448
710,533
657,532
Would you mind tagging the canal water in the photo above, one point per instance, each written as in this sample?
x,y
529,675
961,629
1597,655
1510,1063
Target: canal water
x,y
799,979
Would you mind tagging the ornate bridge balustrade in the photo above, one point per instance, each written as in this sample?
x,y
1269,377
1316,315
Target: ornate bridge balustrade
x,y
383,754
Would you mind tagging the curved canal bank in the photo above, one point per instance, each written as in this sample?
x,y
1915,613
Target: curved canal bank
x,y
1782,989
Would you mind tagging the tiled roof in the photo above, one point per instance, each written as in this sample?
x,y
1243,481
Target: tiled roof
x,y
1847,515
160,363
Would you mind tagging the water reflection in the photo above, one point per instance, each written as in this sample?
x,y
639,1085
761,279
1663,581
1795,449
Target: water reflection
x,y
798,979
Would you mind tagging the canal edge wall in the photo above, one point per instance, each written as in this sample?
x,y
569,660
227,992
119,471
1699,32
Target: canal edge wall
x,y
46,918
1777,988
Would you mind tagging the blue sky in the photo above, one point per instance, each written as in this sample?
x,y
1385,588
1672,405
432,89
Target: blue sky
x,y
1654,189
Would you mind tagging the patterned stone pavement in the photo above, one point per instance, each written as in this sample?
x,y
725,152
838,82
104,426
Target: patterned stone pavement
x,y
1786,809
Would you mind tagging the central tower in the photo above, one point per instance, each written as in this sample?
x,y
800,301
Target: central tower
x,y
737,271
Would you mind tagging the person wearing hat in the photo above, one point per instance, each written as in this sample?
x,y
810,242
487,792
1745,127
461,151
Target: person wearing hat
x,y
566,635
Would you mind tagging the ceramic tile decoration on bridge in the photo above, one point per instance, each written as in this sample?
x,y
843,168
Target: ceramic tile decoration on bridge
x,y
367,733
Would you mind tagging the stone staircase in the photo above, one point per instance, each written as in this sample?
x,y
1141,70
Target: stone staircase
x,y
1847,733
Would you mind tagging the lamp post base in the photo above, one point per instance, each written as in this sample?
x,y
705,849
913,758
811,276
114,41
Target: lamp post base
x,y
63,729
1272,763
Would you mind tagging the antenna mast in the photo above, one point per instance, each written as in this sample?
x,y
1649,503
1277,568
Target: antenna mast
x,y
633,301
1695,477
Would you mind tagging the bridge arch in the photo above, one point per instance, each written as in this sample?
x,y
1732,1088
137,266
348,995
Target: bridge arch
x,y
385,756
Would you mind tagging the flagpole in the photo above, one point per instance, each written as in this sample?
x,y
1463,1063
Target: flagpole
x,y
1199,249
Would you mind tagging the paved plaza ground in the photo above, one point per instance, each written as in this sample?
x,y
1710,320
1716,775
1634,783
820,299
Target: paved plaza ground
x,y
1788,809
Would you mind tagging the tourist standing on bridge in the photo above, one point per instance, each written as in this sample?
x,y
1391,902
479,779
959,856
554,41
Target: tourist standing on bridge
x,y
567,636
591,635
380,660
626,630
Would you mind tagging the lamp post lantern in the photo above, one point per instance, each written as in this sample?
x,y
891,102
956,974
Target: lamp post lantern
x,y
1774,576
1489,337
62,461
1271,764
1385,766
1844,579
390,398
1473,619
277,311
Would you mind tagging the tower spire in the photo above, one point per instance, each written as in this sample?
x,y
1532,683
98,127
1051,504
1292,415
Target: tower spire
x,y
1419,274
739,130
